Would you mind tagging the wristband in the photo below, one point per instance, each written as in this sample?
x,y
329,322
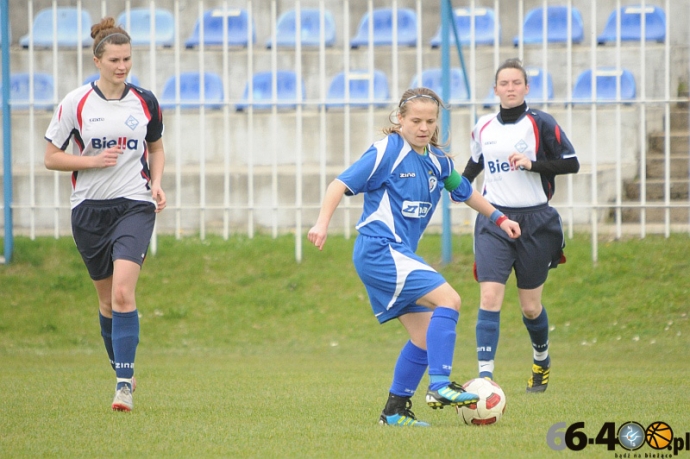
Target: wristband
x,y
497,217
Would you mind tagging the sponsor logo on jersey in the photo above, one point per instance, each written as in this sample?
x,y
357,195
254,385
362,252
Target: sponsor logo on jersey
x,y
407,175
415,209
96,120
499,166
123,142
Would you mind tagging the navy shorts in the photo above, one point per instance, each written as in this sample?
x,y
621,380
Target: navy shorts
x,y
113,229
394,276
538,249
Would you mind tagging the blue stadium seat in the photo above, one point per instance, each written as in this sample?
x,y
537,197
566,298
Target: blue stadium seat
x,y
310,20
67,34
606,78
19,91
140,26
557,26
431,79
262,91
190,91
94,76
359,83
238,28
484,23
535,79
383,28
631,24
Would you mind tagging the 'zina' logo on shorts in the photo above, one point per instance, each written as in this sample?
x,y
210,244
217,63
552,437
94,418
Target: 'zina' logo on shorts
x,y
415,209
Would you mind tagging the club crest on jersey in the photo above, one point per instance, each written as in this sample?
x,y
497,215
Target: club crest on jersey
x,y
433,183
415,209
132,122
521,146
123,142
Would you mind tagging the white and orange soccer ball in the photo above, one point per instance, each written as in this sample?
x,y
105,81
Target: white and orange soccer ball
x,y
490,407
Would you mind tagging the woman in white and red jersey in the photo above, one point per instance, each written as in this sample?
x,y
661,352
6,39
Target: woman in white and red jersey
x,y
117,165
521,150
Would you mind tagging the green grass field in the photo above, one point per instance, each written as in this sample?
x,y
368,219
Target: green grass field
x,y
245,353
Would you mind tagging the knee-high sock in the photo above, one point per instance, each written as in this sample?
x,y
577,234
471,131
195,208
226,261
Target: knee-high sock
x,y
440,341
487,332
125,341
409,370
107,334
538,329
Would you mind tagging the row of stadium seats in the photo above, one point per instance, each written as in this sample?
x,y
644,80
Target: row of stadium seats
x,y
239,31
364,88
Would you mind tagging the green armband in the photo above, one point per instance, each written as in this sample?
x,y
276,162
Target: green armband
x,y
452,181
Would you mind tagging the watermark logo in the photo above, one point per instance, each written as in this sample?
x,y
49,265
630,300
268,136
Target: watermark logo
x,y
630,436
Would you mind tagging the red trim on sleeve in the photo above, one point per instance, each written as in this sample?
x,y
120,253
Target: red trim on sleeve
x,y
536,133
80,108
144,105
558,134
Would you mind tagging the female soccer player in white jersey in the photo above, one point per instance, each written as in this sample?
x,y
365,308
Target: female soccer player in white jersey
x,y
521,150
402,176
117,164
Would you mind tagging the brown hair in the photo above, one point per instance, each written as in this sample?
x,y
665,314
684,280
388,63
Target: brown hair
x,y
106,32
513,63
408,96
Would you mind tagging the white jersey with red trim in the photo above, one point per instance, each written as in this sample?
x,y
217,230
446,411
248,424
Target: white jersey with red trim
x,y
535,135
94,123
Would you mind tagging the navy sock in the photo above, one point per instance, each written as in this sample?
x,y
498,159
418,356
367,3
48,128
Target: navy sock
x,y
487,332
106,333
538,329
440,341
409,370
125,341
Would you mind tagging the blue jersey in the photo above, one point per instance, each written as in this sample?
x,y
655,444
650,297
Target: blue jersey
x,y
402,189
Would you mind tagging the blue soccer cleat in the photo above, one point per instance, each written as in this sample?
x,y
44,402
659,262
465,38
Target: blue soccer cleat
x,y
451,395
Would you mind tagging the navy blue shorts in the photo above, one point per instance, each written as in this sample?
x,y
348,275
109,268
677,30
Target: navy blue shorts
x,y
113,229
538,249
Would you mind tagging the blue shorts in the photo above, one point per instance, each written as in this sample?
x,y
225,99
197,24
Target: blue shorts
x,y
394,276
113,229
538,249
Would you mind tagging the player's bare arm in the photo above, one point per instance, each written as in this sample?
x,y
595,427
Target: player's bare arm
x,y
57,160
334,193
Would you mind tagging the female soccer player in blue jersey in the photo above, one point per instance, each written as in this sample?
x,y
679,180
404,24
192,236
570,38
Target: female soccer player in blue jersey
x,y
521,150
402,176
117,166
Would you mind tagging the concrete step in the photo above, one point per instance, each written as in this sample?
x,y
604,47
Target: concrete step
x,y
656,166
680,118
653,215
680,142
655,189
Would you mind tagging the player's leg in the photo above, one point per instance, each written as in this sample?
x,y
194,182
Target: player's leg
x,y
494,255
409,370
104,290
440,340
125,333
536,321
487,330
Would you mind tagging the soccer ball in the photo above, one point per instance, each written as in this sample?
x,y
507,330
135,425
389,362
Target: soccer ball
x,y
489,408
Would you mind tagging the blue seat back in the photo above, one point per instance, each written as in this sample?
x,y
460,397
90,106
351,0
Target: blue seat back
x,y
539,79
432,79
262,91
190,91
19,91
383,28
140,26
67,30
359,83
606,79
631,24
310,21
238,27
94,76
484,24
556,28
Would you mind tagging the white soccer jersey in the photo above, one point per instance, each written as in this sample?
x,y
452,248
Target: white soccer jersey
x,y
537,136
94,123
